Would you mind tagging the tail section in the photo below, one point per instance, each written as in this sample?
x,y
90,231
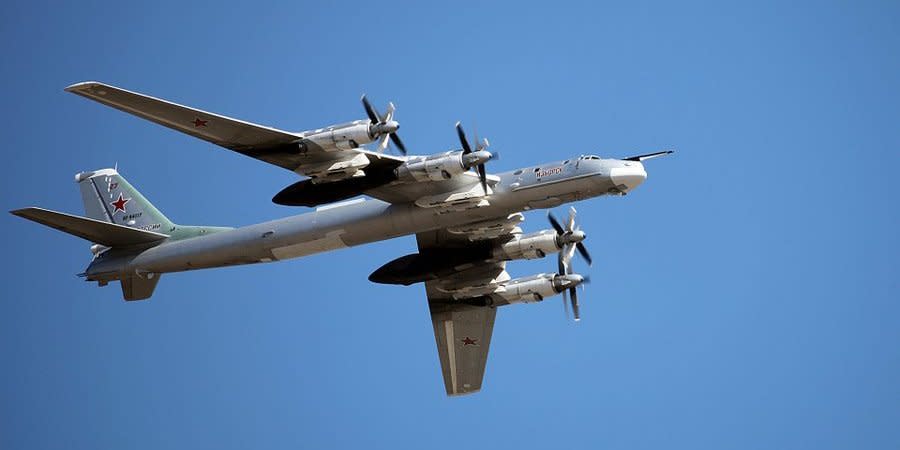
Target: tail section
x,y
121,223
108,197
118,218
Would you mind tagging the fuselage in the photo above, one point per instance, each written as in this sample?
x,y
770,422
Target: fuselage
x,y
362,221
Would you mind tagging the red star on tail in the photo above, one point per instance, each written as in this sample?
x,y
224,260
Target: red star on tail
x,y
469,341
120,203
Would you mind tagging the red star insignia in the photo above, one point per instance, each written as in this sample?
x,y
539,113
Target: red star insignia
x,y
199,123
469,341
120,203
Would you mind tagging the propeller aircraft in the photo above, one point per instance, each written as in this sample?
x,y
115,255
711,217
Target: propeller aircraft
x,y
466,221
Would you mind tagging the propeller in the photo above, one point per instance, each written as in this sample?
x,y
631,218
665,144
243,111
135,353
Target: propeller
x,y
569,240
384,126
477,157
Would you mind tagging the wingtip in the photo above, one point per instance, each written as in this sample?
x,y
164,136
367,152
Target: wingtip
x,y
81,85
23,212
462,393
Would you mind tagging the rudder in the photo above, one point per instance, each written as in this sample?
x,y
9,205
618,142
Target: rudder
x,y
108,197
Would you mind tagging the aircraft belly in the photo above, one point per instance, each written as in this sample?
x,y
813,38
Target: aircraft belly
x,y
326,229
331,241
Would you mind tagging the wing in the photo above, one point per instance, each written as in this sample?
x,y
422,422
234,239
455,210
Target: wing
x,y
463,325
230,133
463,337
337,166
464,188
292,151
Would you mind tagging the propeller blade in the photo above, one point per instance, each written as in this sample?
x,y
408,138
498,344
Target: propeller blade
x,y
383,143
462,139
566,303
483,175
570,252
396,140
478,146
573,295
374,117
555,223
571,225
584,253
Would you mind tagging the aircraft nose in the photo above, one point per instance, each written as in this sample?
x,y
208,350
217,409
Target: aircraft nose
x,y
628,177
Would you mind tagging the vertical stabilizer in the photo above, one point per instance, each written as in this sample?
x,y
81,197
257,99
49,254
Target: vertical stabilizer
x,y
108,197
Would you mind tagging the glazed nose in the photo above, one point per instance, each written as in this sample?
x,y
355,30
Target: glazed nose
x,y
628,177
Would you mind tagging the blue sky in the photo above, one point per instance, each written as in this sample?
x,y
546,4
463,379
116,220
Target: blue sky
x,y
744,297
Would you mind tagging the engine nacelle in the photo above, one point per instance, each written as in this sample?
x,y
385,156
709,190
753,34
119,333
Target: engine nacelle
x,y
534,288
529,289
344,137
441,166
528,246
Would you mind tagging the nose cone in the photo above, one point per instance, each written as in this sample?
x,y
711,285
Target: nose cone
x,y
629,176
390,126
577,236
476,158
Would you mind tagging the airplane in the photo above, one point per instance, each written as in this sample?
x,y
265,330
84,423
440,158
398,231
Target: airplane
x,y
466,221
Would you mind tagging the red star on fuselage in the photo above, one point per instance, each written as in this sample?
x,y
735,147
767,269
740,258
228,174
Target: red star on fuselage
x,y
120,203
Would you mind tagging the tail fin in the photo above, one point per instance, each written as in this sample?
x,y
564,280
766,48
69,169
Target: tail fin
x,y
110,198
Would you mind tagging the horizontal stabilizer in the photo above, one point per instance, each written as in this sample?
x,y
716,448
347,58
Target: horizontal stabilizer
x,y
104,233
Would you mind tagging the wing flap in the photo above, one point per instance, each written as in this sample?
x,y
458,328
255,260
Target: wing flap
x,y
105,233
230,133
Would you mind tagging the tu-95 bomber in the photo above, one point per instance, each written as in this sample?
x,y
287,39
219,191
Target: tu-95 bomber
x,y
466,220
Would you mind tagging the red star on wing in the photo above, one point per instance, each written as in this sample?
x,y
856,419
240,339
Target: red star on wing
x,y
199,123
120,203
469,341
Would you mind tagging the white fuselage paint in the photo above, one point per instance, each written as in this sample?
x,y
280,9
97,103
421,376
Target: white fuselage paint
x,y
359,222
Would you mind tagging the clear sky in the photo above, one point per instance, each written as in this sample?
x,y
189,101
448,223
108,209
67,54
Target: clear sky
x,y
745,297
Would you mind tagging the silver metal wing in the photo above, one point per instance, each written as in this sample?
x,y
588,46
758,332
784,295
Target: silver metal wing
x,y
463,337
332,157
462,323
292,151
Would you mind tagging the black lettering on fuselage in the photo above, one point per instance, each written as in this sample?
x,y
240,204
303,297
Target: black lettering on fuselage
x,y
549,172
